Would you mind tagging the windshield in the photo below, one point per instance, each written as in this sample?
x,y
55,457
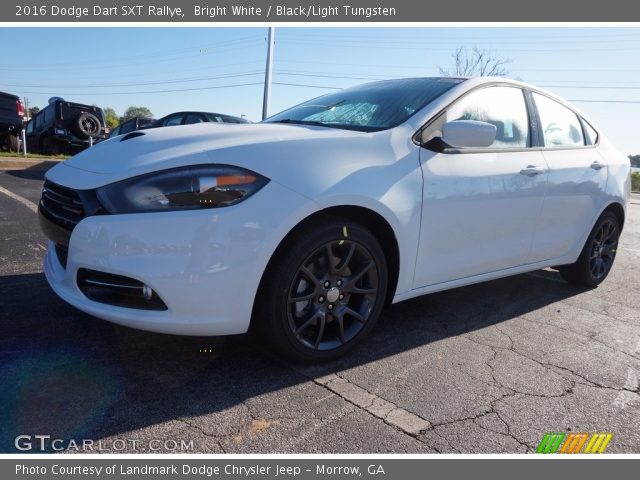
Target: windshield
x,y
370,107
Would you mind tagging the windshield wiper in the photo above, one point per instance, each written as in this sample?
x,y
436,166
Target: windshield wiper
x,y
301,122
339,126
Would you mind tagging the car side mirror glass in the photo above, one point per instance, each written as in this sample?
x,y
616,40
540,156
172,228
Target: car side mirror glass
x,y
468,134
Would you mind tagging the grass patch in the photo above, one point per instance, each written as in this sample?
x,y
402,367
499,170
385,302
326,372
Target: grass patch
x,y
33,155
635,182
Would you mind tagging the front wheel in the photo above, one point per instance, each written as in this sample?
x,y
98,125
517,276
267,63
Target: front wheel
x,y
324,291
597,256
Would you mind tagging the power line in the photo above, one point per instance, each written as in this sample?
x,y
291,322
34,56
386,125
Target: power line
x,y
155,91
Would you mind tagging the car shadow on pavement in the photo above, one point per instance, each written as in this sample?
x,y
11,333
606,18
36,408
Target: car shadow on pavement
x,y
35,172
71,376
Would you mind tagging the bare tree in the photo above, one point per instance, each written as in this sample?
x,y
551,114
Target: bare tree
x,y
476,63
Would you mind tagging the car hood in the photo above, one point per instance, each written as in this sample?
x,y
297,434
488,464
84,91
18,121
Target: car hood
x,y
148,150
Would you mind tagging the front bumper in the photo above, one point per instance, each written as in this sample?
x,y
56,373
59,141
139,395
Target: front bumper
x,y
205,265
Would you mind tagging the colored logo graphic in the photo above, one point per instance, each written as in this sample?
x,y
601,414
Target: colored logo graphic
x,y
574,442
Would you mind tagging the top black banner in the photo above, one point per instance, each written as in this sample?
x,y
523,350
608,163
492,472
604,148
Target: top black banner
x,y
320,11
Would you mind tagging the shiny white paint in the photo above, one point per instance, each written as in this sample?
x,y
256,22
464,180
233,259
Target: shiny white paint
x,y
458,219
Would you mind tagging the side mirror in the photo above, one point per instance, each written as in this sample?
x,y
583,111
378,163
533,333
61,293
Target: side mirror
x,y
468,134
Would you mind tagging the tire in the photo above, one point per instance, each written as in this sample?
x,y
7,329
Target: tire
x,y
12,143
597,256
50,147
86,125
311,309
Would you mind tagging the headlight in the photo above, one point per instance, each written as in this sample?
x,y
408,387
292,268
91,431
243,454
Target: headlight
x,y
188,188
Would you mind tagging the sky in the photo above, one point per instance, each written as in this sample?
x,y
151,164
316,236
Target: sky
x,y
221,69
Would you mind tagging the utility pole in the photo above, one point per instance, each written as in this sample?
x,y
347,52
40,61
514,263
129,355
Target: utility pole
x,y
268,73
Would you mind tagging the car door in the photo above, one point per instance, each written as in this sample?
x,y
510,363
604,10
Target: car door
x,y
577,180
30,136
480,206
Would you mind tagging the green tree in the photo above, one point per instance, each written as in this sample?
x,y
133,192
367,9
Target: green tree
x,y
635,160
33,111
111,117
134,111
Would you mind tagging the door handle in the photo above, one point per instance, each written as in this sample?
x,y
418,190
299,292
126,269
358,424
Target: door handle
x,y
532,171
597,165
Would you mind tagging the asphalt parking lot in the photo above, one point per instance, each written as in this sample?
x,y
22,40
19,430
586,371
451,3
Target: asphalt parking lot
x,y
488,368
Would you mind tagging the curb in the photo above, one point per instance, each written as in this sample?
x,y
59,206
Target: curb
x,y
11,163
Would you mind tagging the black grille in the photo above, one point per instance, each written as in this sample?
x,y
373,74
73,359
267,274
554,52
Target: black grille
x,y
62,205
61,209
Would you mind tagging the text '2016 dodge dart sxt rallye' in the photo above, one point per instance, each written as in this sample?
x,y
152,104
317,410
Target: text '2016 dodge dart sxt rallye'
x,y
305,225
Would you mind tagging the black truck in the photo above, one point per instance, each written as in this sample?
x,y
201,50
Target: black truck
x,y
65,127
11,115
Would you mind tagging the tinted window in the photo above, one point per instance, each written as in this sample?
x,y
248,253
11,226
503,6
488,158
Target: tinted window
x,y
214,118
560,126
30,126
128,126
193,118
591,134
47,115
503,107
370,107
172,120
38,120
228,119
115,132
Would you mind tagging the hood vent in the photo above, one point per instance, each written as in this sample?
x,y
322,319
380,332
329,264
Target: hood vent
x,y
131,135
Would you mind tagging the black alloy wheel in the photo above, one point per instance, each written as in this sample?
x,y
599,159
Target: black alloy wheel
x,y
323,292
603,249
332,295
597,256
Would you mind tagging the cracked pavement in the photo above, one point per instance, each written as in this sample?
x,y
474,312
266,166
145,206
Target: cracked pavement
x,y
488,368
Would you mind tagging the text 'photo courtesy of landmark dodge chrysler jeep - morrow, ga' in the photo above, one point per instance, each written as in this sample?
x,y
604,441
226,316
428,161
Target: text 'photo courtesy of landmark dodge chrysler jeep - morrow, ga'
x,y
305,225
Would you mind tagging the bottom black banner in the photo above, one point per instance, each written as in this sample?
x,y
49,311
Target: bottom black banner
x,y
317,468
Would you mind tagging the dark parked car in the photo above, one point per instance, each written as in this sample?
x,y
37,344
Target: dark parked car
x,y
65,127
135,123
11,113
187,118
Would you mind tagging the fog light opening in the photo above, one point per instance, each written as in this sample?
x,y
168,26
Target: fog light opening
x,y
118,290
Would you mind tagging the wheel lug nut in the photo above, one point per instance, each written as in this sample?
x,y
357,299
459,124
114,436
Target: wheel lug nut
x,y
330,307
327,284
341,297
321,299
339,283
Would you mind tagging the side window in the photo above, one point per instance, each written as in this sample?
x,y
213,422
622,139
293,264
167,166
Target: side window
x,y
193,118
37,121
172,120
30,127
591,134
504,107
127,127
115,132
560,126
48,115
214,118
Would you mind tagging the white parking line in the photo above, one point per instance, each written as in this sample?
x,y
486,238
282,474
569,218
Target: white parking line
x,y
27,203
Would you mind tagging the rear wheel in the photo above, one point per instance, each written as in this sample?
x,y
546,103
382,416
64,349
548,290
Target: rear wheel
x,y
597,256
324,292
13,143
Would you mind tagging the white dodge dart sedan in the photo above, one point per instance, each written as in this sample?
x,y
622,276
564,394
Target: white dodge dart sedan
x,y
305,225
